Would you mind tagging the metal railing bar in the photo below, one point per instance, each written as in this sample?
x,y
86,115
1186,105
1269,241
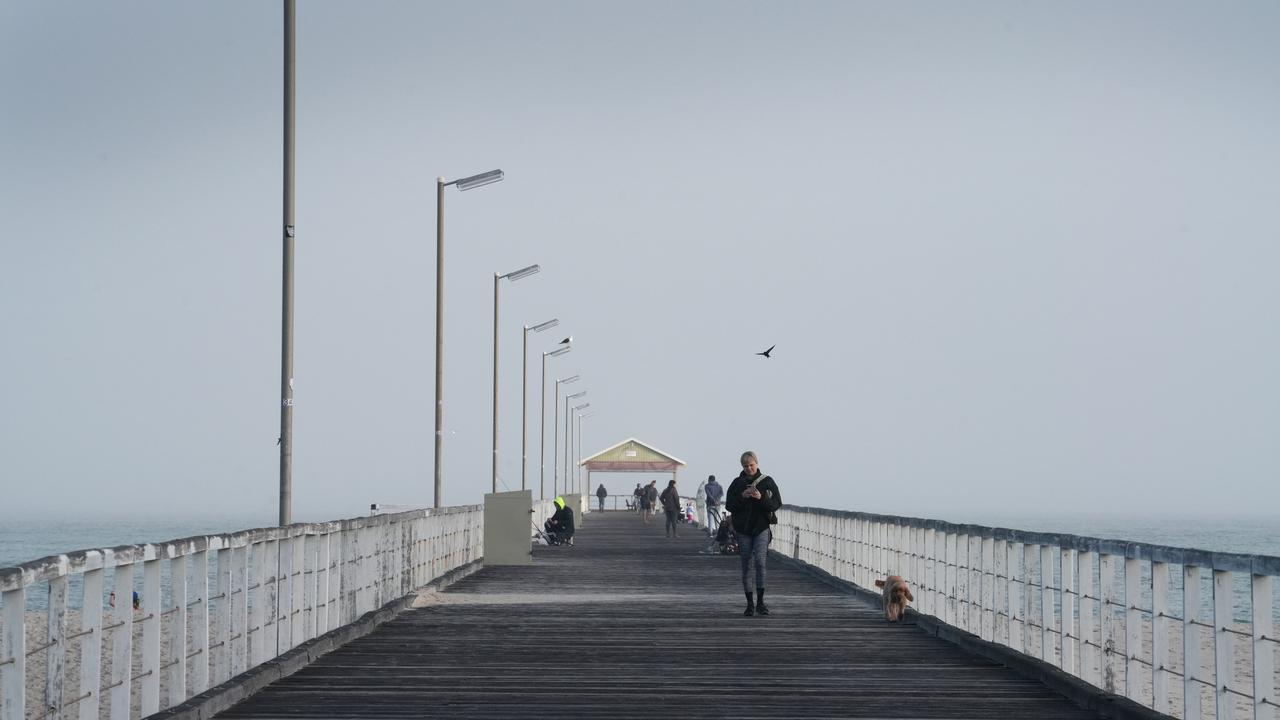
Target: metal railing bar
x,y
42,648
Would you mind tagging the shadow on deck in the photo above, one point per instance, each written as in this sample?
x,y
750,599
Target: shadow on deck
x,y
629,624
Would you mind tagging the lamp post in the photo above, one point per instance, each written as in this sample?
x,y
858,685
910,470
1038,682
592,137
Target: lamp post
x,y
542,418
286,305
572,444
524,398
555,436
566,435
466,183
514,275
578,465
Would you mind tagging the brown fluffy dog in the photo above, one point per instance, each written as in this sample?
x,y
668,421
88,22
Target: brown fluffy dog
x,y
895,596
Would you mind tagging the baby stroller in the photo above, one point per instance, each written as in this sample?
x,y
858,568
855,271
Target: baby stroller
x,y
726,538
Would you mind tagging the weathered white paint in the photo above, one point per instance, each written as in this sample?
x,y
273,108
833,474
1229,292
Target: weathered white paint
x,y
1111,657
284,596
1046,604
220,648
1070,624
122,642
91,643
297,631
150,678
1190,642
1132,629
13,655
1017,619
57,638
239,607
1264,686
1090,642
1031,641
1162,675
178,632
1222,642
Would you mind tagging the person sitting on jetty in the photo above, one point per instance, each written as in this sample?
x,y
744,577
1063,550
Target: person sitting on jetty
x,y
559,527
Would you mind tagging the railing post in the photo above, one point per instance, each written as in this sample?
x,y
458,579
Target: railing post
x,y
1030,559
270,598
177,631
200,621
222,613
296,580
1223,654
13,653
284,594
1192,665
1000,601
950,586
1133,629
1264,686
1090,663
322,583
1160,672
1017,585
988,577
1070,641
1046,607
122,642
90,644
1107,585
55,661
257,596
150,700
310,588
239,609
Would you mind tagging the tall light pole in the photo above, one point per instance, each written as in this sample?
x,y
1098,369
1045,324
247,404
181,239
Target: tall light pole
x,y
577,468
514,275
566,435
286,310
542,418
555,436
466,183
524,398
572,444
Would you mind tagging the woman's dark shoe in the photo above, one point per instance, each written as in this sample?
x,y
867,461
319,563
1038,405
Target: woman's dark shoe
x,y
751,610
762,609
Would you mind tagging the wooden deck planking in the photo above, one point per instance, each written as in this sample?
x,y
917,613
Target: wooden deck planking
x,y
629,624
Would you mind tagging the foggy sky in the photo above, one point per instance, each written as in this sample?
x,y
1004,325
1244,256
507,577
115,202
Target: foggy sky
x,y
1014,256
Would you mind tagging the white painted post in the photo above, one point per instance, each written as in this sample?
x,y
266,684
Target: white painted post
x,y
150,673
1070,633
270,599
322,584
297,633
1090,663
1046,607
199,622
1000,600
1030,559
1264,685
1110,658
973,586
929,593
964,598
1133,629
239,609
221,647
122,642
335,580
1014,602
1161,676
347,572
177,631
1191,662
987,578
949,586
312,578
284,595
90,644
13,653
257,592
1222,644
55,660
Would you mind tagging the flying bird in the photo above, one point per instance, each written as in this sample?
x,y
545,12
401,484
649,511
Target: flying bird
x,y
566,341
766,352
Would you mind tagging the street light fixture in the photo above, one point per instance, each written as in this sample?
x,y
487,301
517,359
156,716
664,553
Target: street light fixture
x,y
512,276
524,397
555,436
465,183
569,457
542,418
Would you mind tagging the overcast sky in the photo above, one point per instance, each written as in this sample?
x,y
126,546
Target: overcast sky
x,y
1015,256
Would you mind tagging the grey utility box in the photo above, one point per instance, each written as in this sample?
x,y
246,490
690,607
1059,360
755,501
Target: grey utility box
x,y
508,528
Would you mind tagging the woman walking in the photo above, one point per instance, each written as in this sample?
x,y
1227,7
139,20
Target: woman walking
x,y
671,504
753,497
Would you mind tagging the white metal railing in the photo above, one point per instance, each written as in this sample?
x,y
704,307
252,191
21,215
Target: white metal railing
x,y
1110,612
230,603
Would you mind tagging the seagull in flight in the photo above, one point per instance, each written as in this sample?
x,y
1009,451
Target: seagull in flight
x,y
766,352
566,341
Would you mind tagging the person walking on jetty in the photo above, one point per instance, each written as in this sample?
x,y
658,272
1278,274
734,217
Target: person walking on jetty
x,y
651,492
671,505
645,503
601,494
715,496
753,498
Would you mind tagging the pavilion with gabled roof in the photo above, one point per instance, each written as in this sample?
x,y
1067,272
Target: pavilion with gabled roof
x,y
631,455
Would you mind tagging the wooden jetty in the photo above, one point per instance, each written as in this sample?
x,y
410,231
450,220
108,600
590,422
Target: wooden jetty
x,y
627,623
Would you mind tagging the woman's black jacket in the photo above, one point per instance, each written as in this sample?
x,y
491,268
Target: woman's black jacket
x,y
751,516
